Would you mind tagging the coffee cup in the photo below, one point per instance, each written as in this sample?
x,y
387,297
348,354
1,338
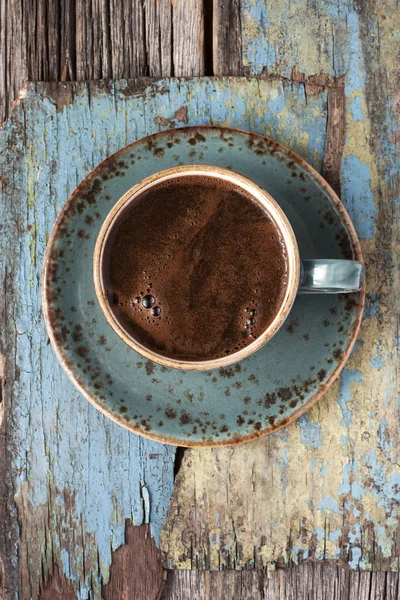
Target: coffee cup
x,y
197,267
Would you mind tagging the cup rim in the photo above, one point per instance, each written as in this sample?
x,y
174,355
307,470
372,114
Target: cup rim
x,y
274,211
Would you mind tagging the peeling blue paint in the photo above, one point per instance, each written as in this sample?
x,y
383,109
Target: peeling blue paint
x,y
348,376
355,558
355,71
65,559
259,52
396,201
329,504
310,432
371,305
358,197
313,464
377,360
356,110
350,484
334,536
359,344
284,458
323,470
61,439
384,437
320,533
299,551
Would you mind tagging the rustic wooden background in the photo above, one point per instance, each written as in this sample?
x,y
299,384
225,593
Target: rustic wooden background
x,y
347,52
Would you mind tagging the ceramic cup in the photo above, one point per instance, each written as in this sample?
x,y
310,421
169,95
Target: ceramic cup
x,y
315,276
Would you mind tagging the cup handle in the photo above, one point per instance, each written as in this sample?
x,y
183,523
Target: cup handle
x,y
330,276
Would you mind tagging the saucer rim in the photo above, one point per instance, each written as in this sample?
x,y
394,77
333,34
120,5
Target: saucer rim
x,y
236,439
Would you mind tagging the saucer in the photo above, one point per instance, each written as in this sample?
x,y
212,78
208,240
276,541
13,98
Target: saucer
x,y
202,408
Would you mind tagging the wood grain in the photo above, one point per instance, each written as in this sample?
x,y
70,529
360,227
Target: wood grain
x,y
136,570
159,26
319,581
98,39
13,60
188,38
57,587
226,38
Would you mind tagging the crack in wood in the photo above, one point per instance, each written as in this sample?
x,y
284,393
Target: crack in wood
x,y
336,121
57,587
208,46
179,454
227,38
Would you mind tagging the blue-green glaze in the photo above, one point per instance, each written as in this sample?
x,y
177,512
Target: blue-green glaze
x,y
228,405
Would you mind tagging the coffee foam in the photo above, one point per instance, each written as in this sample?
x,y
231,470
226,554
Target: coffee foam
x,y
210,259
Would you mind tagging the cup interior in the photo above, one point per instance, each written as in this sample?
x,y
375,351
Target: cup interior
x,y
261,197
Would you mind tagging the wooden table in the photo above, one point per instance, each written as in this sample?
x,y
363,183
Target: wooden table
x,y
309,512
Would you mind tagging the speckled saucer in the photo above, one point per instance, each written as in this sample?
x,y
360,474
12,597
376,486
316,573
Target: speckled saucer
x,y
188,408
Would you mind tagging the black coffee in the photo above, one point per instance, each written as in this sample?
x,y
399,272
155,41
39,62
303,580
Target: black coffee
x,y
194,269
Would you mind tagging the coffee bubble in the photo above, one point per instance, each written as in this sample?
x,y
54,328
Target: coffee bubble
x,y
148,301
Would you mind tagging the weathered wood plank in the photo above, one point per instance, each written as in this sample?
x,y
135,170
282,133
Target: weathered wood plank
x,y
188,38
8,374
317,581
75,476
13,61
326,487
227,42
277,36
97,39
159,27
